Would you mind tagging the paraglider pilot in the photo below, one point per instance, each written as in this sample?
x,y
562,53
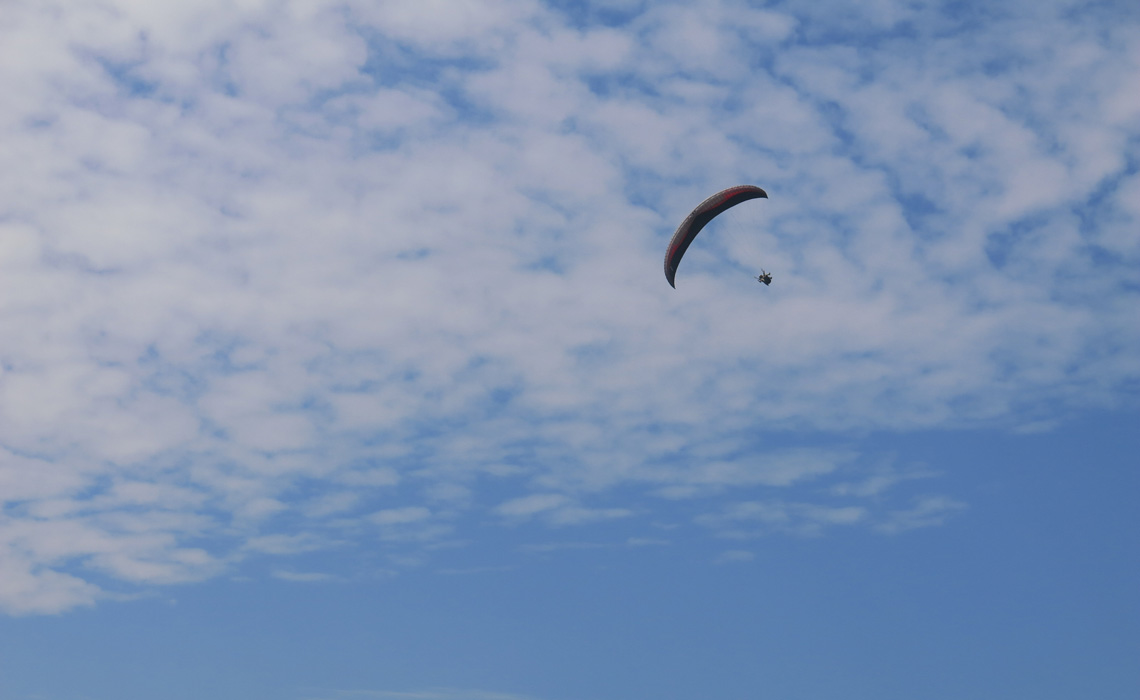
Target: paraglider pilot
x,y
766,278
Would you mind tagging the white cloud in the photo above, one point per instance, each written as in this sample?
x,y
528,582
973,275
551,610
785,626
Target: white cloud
x,y
757,518
578,515
285,544
461,27
400,516
927,511
526,506
880,479
28,589
303,577
764,468
266,268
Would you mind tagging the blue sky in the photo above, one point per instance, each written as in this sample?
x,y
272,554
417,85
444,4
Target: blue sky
x,y
337,360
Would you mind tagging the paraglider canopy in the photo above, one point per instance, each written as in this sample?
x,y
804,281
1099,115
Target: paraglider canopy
x,y
705,212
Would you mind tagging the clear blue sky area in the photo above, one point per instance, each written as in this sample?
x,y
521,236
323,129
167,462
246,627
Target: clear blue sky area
x,y
1029,593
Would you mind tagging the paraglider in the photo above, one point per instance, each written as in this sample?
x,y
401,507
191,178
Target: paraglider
x,y
764,276
705,212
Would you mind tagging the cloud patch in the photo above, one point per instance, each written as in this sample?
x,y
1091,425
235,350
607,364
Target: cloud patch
x,y
279,276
